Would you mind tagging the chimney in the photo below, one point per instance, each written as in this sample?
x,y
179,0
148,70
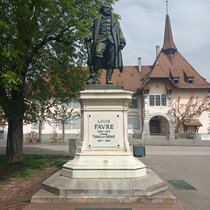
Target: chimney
x,y
157,50
139,64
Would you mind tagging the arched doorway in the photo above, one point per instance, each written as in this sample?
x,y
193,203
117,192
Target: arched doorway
x,y
158,125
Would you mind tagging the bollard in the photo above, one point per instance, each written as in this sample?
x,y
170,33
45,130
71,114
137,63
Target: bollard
x,y
72,146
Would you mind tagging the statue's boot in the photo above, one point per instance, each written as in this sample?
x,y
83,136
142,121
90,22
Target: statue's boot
x,y
109,76
94,76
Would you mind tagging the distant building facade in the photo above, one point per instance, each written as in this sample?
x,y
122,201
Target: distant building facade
x,y
155,88
160,85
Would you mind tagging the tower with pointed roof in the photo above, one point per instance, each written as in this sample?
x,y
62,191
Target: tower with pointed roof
x,y
171,65
169,46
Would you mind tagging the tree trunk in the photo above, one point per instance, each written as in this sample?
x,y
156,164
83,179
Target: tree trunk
x,y
63,131
15,114
14,150
40,130
177,129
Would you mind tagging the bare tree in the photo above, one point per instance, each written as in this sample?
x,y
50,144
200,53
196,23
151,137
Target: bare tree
x,y
41,113
182,111
62,115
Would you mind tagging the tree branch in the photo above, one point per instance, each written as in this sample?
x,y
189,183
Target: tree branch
x,y
47,39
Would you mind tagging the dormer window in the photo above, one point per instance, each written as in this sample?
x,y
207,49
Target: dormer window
x,y
176,80
189,76
190,80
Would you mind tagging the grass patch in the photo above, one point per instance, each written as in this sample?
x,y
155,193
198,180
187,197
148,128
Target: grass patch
x,y
26,200
31,165
2,161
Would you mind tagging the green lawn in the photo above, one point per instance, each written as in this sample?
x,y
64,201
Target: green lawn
x,y
31,165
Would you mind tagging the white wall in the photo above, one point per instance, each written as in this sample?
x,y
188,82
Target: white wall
x,y
157,88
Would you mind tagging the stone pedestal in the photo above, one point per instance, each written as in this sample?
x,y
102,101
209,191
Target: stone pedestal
x,y
104,169
104,151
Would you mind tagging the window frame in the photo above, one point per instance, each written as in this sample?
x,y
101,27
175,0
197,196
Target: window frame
x,y
135,122
190,80
158,100
163,100
134,103
152,100
176,80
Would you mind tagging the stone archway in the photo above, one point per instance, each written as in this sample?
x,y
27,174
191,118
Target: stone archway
x,y
159,125
148,117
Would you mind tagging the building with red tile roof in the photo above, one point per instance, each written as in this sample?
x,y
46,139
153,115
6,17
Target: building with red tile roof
x,y
157,87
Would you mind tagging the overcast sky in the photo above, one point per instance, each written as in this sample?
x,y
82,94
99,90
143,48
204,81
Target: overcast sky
x,y
143,23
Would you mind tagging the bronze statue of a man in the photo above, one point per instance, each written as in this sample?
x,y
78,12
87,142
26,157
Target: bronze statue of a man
x,y
108,41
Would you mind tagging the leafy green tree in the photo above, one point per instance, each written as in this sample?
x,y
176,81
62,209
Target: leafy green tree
x,y
41,49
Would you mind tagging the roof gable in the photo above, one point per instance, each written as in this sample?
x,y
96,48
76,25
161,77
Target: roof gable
x,y
177,67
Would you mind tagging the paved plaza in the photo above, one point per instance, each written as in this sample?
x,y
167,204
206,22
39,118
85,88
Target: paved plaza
x,y
191,164
188,163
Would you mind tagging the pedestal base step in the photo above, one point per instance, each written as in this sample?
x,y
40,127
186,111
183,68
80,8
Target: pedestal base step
x,y
59,189
44,196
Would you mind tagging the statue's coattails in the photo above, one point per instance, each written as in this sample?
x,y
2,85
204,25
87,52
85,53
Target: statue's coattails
x,y
107,43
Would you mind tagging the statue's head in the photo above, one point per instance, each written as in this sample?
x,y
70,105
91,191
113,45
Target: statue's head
x,y
106,9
